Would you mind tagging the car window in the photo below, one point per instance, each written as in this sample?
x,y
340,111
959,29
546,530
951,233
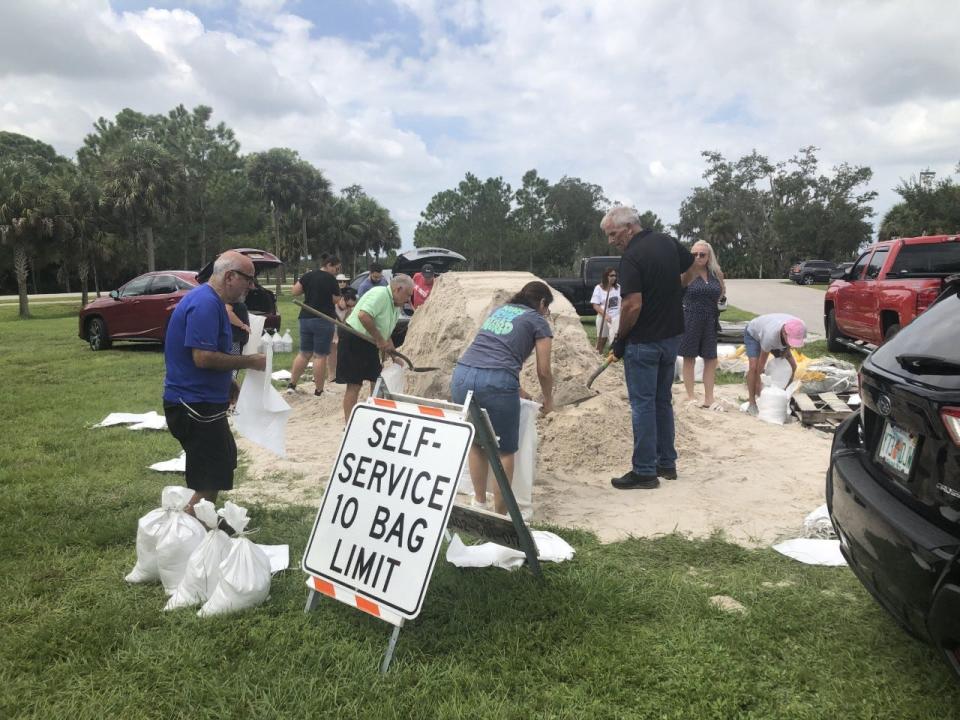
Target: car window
x,y
595,269
163,285
137,286
183,284
928,258
876,262
857,271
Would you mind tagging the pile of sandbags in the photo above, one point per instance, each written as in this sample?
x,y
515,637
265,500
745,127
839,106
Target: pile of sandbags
x,y
196,561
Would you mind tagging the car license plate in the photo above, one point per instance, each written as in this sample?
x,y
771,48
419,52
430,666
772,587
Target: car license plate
x,y
897,448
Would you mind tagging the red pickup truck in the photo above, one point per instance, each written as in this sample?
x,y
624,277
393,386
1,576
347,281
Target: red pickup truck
x,y
887,287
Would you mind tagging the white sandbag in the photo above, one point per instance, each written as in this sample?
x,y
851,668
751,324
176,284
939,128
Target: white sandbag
x,y
778,370
773,405
394,375
818,525
525,461
252,346
244,573
724,350
177,464
202,572
177,538
812,551
172,500
697,369
120,418
262,412
550,548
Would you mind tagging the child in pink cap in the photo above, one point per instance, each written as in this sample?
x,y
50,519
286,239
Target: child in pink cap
x,y
773,333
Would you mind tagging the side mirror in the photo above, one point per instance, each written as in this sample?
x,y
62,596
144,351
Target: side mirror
x,y
115,294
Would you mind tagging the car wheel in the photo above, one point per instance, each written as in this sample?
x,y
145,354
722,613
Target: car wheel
x,y
891,331
807,280
833,334
97,335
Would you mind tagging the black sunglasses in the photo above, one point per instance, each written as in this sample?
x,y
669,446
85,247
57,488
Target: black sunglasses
x,y
700,254
248,278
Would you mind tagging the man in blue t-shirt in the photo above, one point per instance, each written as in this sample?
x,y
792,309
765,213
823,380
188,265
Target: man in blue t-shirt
x,y
199,387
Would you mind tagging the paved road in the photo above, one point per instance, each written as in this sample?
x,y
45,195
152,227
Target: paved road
x,y
766,296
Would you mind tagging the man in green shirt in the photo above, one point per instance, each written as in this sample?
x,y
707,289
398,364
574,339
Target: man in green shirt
x,y
375,316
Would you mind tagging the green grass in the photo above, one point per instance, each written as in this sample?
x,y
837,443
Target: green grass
x,y
623,631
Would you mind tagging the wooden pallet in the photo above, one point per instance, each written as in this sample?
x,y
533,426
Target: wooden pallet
x,y
825,411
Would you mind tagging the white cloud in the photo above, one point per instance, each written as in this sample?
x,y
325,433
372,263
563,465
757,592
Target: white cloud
x,y
624,95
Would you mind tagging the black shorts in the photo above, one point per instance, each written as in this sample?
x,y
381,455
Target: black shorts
x,y
210,447
357,360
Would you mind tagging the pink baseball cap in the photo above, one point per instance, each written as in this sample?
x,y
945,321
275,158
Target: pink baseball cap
x,y
795,331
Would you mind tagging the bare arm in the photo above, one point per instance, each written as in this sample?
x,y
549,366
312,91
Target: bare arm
x,y
297,289
236,321
212,360
370,326
687,277
723,285
543,348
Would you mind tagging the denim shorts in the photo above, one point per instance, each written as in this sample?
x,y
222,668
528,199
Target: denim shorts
x,y
751,344
498,392
316,336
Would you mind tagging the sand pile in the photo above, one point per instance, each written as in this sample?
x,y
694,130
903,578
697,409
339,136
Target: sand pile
x,y
443,328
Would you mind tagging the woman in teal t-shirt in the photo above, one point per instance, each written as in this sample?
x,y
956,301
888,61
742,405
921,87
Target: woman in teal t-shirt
x,y
490,368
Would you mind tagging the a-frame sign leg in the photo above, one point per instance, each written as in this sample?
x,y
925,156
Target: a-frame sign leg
x,y
488,442
391,646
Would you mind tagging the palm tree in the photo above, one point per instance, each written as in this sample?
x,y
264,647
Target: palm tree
x,y
29,217
140,183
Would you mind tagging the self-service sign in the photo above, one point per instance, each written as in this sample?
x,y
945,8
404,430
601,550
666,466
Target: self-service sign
x,y
387,503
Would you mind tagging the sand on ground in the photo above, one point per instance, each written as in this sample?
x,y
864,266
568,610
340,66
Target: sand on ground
x,y
751,480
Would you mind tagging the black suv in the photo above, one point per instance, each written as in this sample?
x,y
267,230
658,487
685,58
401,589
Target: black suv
x,y
893,486
809,272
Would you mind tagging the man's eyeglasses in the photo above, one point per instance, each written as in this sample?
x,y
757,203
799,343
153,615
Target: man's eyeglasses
x,y
249,278
699,254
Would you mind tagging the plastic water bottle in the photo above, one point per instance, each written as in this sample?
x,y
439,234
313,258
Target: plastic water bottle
x,y
287,342
266,341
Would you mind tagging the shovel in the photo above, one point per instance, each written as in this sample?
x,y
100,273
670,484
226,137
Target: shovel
x,y
346,328
611,358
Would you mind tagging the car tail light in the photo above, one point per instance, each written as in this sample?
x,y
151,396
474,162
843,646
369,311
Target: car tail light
x,y
925,298
951,420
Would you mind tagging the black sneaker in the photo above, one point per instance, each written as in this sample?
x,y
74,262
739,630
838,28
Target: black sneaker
x,y
667,473
631,481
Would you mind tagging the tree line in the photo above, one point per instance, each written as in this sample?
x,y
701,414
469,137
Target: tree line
x,y
760,216
148,191
168,191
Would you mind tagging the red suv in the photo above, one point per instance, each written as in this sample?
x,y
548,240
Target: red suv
x,y
887,287
140,309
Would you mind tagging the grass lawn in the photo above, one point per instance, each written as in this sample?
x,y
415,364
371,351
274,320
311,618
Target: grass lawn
x,y
623,631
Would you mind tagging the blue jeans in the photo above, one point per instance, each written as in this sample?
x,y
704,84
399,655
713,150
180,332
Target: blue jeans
x,y
649,368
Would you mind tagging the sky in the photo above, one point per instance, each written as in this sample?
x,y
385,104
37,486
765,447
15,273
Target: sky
x,y
404,97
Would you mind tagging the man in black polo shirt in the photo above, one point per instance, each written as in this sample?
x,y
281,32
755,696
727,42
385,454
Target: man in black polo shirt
x,y
651,323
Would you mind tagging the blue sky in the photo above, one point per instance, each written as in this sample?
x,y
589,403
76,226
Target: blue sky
x,y
406,96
